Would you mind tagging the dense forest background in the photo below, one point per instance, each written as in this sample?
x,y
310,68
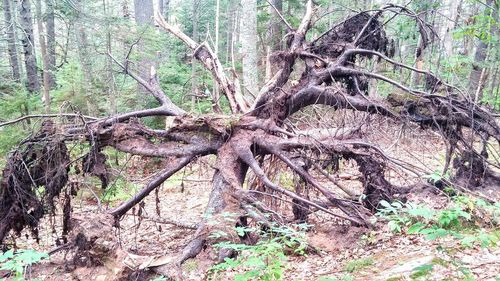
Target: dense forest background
x,y
57,56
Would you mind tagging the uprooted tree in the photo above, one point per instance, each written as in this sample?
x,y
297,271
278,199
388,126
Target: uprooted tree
x,y
256,132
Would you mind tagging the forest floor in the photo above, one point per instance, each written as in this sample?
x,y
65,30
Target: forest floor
x,y
345,252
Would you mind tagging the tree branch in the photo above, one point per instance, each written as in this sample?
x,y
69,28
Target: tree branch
x,y
172,168
26,117
212,63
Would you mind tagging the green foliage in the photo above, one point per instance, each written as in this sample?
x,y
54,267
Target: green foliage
x,y
457,220
437,176
266,260
357,265
70,86
17,262
120,189
15,102
422,271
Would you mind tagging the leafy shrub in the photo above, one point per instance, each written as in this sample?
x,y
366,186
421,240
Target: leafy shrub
x,y
459,220
266,260
17,262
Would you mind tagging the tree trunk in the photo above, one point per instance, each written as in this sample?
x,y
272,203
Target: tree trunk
x,y
216,94
248,38
28,43
51,41
276,27
45,58
194,75
144,17
11,40
478,72
84,57
111,89
449,25
230,14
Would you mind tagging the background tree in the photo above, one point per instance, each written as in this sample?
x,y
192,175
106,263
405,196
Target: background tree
x,y
51,40
11,40
249,39
28,43
46,74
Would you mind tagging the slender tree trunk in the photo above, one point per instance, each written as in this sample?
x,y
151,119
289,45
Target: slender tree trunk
x,y
248,38
144,13
111,89
45,58
276,27
478,72
28,43
216,95
229,30
420,54
468,41
84,57
451,12
274,36
194,78
51,41
11,40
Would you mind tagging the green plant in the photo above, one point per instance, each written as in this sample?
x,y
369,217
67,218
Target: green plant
x,y
394,213
437,176
357,265
266,260
421,272
17,262
459,220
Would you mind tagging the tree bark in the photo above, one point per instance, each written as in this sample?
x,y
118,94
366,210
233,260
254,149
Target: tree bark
x,y
230,21
85,58
144,17
28,42
478,72
11,40
248,38
449,24
111,89
216,91
51,41
194,75
276,26
45,58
